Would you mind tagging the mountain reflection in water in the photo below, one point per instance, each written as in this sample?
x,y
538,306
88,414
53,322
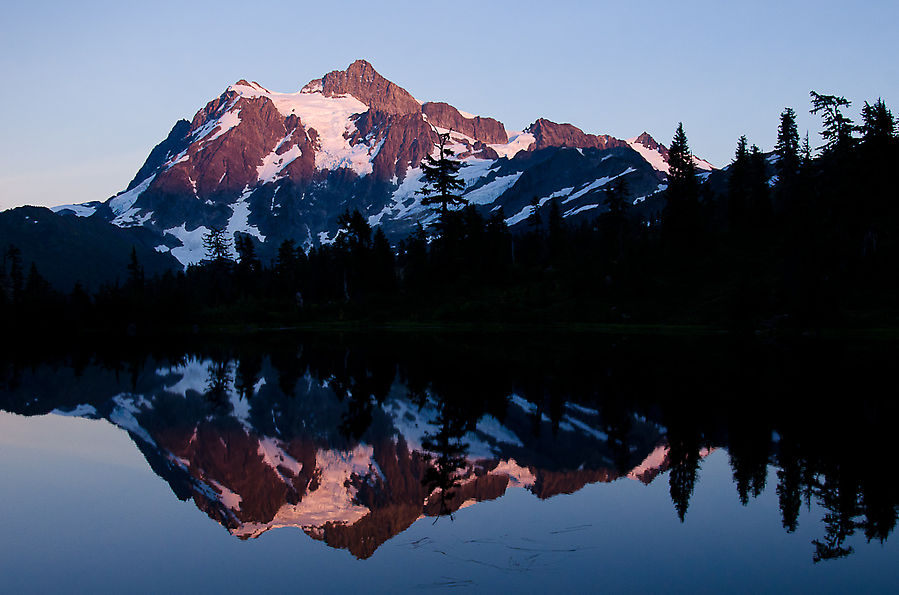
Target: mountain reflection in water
x,y
352,439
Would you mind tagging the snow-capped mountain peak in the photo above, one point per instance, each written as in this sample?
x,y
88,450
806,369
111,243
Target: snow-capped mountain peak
x,y
285,165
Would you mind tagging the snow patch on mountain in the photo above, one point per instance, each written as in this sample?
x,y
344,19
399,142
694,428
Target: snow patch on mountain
x,y
703,165
578,210
77,210
332,118
519,477
652,156
490,426
193,376
225,122
239,221
518,141
230,499
489,192
273,164
82,410
653,461
123,416
332,502
191,250
596,184
123,203
274,455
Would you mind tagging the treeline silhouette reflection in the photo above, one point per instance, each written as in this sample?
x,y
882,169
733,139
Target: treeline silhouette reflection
x,y
353,438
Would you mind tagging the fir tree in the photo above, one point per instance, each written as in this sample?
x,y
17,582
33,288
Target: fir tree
x,y
246,253
383,263
878,125
759,199
135,283
681,216
738,186
441,177
16,272
787,147
837,133
534,219
218,247
356,232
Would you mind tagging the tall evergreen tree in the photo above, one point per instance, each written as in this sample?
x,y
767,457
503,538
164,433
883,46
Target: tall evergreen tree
x,y
441,177
16,272
738,187
356,232
837,133
681,216
383,270
534,219
787,147
878,125
135,283
759,196
218,246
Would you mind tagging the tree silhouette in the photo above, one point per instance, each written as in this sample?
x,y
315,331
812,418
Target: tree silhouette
x,y
681,215
837,133
787,147
441,177
218,247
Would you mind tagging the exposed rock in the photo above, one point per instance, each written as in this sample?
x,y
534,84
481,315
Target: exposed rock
x,y
551,483
550,134
174,143
363,82
406,140
650,143
486,130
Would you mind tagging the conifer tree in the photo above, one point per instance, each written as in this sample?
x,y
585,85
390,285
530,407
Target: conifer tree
x,y
556,231
681,215
16,272
613,224
441,177
759,199
878,125
837,133
738,186
286,267
787,147
218,246
383,263
135,283
534,219
356,232
246,253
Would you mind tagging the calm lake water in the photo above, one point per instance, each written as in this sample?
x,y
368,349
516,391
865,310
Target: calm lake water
x,y
397,463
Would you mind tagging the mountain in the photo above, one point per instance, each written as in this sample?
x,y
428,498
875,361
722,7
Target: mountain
x,y
285,165
67,249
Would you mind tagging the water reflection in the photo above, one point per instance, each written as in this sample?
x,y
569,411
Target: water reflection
x,y
353,439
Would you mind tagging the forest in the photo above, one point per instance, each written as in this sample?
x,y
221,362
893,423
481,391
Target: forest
x,y
796,239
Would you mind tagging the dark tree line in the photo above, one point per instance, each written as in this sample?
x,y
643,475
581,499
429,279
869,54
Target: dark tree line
x,y
791,238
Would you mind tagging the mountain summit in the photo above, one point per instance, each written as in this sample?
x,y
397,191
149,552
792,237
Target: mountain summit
x,y
281,166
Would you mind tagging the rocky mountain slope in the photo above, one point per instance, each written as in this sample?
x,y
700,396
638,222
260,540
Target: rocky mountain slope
x,y
285,165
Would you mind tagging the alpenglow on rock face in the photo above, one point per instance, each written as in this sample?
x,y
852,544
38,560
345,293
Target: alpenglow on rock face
x,y
285,165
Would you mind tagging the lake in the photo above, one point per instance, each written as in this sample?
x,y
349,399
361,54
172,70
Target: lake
x,y
398,462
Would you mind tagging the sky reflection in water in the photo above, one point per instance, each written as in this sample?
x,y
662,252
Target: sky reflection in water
x,y
83,510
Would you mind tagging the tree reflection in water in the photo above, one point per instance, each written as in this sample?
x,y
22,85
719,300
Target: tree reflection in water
x,y
449,420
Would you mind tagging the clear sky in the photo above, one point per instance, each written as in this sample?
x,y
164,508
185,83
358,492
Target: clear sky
x,y
88,88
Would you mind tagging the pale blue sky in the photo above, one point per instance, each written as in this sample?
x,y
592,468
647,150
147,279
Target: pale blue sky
x,y
89,88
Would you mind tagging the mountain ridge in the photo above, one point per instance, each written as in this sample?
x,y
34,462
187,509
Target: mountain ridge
x,y
284,166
